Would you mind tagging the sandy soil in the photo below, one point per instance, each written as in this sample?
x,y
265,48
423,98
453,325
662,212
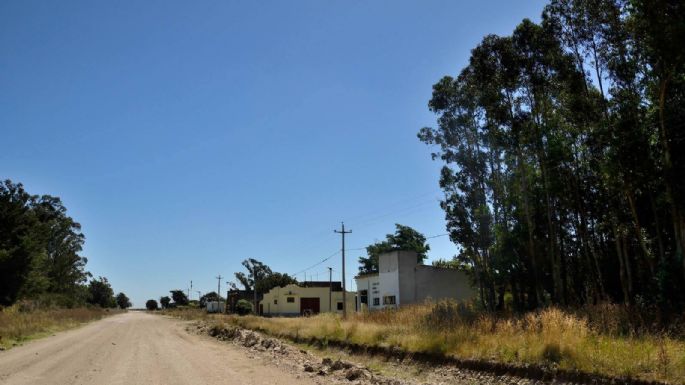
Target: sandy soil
x,y
136,348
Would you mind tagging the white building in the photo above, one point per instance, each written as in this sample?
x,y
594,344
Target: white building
x,y
401,280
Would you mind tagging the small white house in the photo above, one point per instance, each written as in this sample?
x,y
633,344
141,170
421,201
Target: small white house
x,y
401,280
216,307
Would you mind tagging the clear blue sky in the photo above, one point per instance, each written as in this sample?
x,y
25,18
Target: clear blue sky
x,y
188,136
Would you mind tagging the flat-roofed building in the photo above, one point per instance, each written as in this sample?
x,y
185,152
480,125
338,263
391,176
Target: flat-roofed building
x,y
402,280
306,298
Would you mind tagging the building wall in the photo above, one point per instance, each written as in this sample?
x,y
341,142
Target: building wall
x,y
275,302
389,278
370,283
436,283
401,280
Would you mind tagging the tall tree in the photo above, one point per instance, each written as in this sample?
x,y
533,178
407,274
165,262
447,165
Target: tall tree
x,y
165,301
101,293
122,301
562,148
179,297
39,247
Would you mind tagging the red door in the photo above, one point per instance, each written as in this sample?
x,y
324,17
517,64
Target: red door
x,y
309,306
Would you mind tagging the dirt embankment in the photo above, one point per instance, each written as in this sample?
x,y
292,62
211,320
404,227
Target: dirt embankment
x,y
356,368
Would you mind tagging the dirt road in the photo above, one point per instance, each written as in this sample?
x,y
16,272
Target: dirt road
x,y
135,348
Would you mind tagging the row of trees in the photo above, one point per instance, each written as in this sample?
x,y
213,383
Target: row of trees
x,y
40,259
564,156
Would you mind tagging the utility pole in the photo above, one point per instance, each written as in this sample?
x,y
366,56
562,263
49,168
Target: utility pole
x,y
218,293
191,289
330,289
343,232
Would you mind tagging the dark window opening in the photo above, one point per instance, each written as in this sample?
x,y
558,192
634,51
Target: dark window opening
x,y
340,305
290,299
376,301
275,302
389,300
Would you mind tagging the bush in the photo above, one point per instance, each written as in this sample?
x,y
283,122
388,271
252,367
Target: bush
x,y
151,304
448,313
243,307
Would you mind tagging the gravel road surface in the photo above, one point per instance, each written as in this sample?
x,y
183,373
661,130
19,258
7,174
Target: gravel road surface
x,y
135,348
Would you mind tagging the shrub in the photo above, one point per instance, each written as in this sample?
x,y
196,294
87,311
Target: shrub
x,y
151,304
243,307
448,313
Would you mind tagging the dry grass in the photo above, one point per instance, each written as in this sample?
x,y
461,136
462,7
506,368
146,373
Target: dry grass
x,y
18,324
590,340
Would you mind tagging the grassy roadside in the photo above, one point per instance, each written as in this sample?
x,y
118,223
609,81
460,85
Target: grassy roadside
x,y
596,340
17,326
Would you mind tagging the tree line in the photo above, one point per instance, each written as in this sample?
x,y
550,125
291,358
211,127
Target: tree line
x,y
564,157
40,254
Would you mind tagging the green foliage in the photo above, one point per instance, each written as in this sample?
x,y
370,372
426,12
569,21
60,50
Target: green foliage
x,y
164,301
243,307
564,157
151,304
122,301
39,246
265,277
272,280
405,238
179,297
210,297
101,293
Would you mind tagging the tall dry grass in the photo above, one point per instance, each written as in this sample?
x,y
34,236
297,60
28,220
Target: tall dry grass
x,y
600,340
20,323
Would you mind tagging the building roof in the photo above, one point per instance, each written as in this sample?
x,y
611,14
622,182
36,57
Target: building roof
x,y
335,285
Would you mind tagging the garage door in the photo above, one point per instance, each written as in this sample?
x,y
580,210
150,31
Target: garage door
x,y
309,306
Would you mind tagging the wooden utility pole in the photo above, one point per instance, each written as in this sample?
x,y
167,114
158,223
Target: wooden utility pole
x,y
330,289
218,293
343,232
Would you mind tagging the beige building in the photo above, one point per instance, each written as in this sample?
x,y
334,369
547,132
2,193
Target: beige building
x,y
306,299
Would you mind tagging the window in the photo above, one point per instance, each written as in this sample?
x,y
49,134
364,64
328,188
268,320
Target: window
x,y
290,299
275,302
364,296
340,306
389,300
376,301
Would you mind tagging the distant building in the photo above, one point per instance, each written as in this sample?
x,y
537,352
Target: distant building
x,y
401,280
307,298
216,307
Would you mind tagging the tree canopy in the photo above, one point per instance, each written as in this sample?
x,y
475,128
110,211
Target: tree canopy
x,y
404,238
165,301
180,298
40,246
122,301
151,304
265,277
564,156
101,293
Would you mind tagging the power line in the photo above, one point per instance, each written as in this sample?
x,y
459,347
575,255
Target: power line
x,y
431,237
317,264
